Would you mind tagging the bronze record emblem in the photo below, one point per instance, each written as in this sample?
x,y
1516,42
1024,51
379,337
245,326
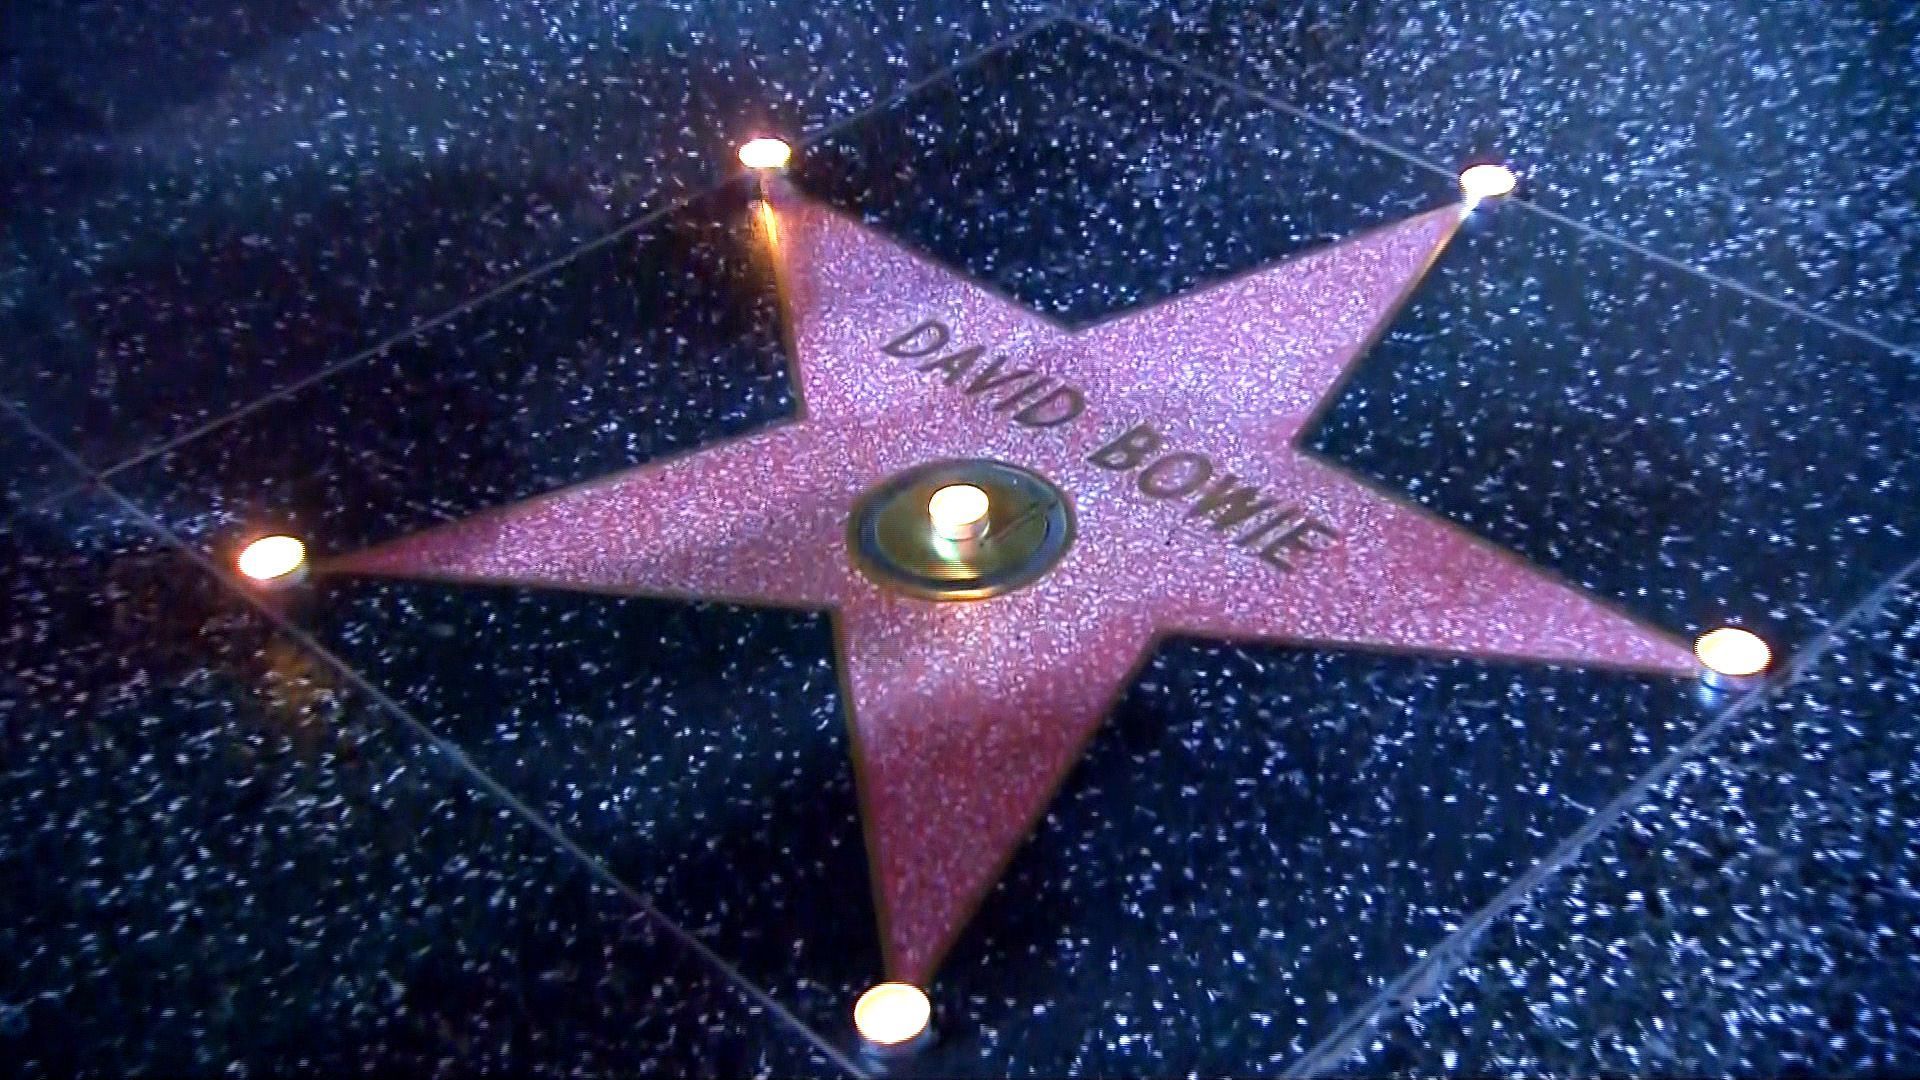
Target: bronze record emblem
x,y
1029,528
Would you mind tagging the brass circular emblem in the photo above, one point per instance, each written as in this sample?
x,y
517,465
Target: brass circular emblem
x,y
895,541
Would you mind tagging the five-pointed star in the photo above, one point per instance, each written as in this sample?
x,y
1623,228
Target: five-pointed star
x,y
966,716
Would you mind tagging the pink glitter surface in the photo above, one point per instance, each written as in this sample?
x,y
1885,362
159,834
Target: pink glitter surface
x,y
966,716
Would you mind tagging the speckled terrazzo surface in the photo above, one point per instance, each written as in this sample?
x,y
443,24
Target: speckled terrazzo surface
x,y
358,270
267,191
1777,148
1758,915
221,857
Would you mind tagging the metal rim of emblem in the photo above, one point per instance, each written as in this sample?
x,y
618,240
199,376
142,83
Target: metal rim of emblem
x,y
894,543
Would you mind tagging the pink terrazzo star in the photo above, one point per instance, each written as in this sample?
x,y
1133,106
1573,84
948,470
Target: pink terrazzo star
x,y
966,716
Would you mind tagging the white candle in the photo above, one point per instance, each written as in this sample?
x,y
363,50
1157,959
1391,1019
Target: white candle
x,y
764,154
273,559
1482,182
958,512
892,1015
1730,654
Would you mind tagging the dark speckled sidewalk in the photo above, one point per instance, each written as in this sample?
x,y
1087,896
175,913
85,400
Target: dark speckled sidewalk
x,y
354,270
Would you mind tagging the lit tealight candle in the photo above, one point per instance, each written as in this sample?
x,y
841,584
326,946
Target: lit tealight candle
x,y
893,1017
274,560
1729,656
1482,182
958,512
765,154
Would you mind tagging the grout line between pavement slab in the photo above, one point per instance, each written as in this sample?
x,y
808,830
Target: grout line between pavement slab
x,y
86,476
731,175
1445,959
486,783
478,776
455,754
1519,202
83,476
1057,17
92,478
41,502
